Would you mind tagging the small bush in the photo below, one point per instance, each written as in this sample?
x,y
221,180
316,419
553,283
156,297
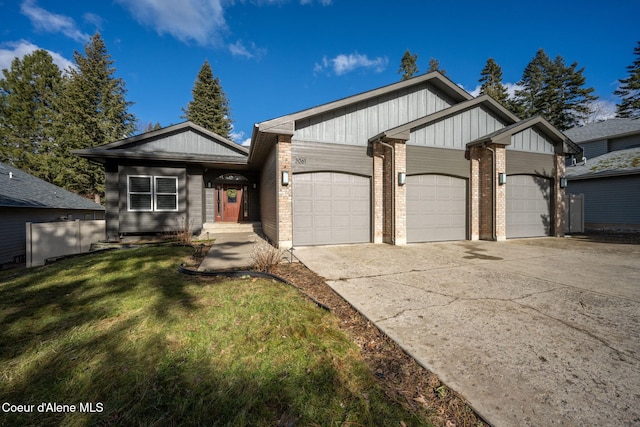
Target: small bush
x,y
181,232
265,256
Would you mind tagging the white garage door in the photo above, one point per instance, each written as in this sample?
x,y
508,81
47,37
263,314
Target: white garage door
x,y
528,206
436,208
331,208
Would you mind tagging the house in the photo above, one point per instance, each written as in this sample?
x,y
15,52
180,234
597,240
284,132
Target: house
x,y
415,161
25,198
609,174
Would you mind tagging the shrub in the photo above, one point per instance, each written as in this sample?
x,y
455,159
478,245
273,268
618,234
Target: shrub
x,y
265,256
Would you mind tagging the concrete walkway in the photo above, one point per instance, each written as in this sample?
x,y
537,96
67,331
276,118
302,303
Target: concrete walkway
x,y
535,332
230,251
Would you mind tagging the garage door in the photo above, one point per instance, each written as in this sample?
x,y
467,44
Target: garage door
x,y
436,208
528,206
331,208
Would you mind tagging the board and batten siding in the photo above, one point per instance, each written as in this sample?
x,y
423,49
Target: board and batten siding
x,y
269,196
443,161
187,142
151,222
320,157
523,163
531,141
456,131
609,201
354,124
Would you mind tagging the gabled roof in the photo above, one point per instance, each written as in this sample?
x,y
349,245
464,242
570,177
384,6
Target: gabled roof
x,y
130,148
611,128
404,131
19,189
559,140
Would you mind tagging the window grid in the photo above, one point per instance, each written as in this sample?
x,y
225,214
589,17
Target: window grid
x,y
157,194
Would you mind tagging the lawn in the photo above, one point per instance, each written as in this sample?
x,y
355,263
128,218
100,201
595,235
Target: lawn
x,y
122,338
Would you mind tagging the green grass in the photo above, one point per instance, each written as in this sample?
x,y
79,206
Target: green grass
x,y
125,330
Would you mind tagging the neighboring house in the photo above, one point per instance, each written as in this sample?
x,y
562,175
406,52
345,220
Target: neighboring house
x,y
609,176
25,198
419,160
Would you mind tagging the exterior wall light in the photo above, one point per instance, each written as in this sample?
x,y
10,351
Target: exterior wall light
x,y
502,178
402,178
285,178
563,182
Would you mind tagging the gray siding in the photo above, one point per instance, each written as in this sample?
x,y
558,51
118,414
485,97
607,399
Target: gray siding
x,y
195,197
456,131
269,197
13,226
151,222
112,202
531,141
519,162
612,200
425,160
624,142
594,149
355,124
187,142
318,157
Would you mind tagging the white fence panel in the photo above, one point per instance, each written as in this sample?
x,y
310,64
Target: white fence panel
x,y
52,239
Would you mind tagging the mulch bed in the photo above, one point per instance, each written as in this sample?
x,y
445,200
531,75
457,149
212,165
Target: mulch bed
x,y
401,377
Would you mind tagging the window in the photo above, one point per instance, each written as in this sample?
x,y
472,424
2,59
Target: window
x,y
147,193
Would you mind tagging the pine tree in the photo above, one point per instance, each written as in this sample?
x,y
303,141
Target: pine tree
x,y
532,99
209,107
408,65
434,65
491,79
28,93
94,112
629,89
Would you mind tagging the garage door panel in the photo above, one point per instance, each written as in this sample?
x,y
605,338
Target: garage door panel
x,y
436,208
339,211
528,206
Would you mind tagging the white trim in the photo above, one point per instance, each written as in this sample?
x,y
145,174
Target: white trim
x,y
153,193
156,193
129,193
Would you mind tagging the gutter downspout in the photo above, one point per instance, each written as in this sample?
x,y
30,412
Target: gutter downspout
x,y
393,189
493,191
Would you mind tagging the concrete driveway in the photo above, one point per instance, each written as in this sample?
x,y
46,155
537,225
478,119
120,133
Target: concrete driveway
x,y
533,332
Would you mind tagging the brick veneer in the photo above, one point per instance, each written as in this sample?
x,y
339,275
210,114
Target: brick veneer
x,y
483,203
378,193
389,198
560,203
285,211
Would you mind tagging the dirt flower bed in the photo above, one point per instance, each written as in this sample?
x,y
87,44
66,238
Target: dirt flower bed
x,y
402,378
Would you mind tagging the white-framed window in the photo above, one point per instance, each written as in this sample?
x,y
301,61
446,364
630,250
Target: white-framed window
x,y
152,193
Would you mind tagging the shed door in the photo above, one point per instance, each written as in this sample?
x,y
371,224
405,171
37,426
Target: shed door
x,y
436,208
331,208
528,206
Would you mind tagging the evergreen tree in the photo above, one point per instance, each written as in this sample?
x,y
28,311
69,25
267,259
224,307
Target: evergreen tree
x,y
629,89
434,65
553,90
408,65
491,79
209,107
150,127
94,111
28,93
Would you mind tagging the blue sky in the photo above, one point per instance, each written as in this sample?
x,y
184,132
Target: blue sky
x,y
275,57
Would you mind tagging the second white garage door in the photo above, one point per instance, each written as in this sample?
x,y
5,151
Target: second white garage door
x,y
331,208
528,206
436,208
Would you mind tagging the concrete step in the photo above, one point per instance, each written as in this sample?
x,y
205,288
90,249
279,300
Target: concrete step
x,y
230,227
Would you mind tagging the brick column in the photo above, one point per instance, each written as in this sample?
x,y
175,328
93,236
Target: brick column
x,y
501,193
378,193
475,153
560,205
485,159
488,208
285,211
400,201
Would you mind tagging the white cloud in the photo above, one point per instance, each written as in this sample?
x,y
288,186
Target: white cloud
x,y
11,50
511,89
49,22
343,64
239,138
321,2
200,21
239,49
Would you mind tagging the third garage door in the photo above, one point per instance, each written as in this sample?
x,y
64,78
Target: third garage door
x,y
331,208
436,208
528,206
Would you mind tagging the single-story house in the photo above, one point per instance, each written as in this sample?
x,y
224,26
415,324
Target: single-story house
x,y
609,175
415,161
25,198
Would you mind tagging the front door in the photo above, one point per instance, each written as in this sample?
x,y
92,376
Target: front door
x,y
231,198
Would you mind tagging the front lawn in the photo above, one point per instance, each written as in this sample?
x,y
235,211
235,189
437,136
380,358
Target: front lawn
x,y
122,338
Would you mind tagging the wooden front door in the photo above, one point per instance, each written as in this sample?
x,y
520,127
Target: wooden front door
x,y
231,198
